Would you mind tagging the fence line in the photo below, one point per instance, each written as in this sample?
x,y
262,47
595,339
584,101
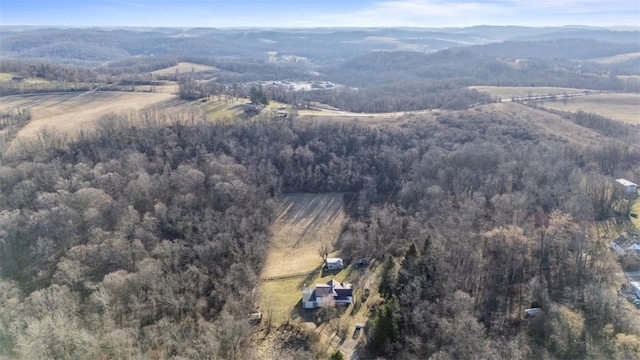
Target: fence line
x,y
290,276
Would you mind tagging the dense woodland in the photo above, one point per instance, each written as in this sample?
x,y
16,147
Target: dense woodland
x,y
146,241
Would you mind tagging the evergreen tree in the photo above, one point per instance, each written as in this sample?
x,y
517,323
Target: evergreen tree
x,y
258,96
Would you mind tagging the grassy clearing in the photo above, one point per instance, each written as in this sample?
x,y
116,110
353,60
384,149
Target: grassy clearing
x,y
8,77
622,107
635,209
306,222
5,77
551,124
617,58
373,119
507,92
71,112
183,68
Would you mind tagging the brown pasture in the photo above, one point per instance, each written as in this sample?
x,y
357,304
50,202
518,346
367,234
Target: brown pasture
x,y
508,92
618,106
373,119
305,223
183,68
544,121
617,58
70,112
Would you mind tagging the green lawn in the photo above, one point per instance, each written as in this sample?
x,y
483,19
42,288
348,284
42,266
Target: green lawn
x,y
635,209
5,76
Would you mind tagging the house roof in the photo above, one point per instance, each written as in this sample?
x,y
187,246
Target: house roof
x,y
635,247
338,290
625,182
334,260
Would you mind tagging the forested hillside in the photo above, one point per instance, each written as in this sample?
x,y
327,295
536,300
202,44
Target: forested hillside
x,y
145,240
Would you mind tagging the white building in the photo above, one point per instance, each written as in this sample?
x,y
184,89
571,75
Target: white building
x,y
334,263
330,294
627,185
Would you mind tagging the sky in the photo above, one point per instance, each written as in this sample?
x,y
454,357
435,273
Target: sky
x,y
323,13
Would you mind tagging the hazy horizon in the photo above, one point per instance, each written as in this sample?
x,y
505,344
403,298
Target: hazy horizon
x,y
319,14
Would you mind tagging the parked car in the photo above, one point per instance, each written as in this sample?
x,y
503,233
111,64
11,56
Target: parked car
x,y
361,262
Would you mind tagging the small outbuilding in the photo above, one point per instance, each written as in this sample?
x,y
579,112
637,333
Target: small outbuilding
x,y
334,263
532,312
255,317
627,186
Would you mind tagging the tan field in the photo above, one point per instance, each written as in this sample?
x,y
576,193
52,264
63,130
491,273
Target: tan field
x,y
546,122
635,209
373,119
508,92
618,106
305,223
622,107
71,112
182,68
617,58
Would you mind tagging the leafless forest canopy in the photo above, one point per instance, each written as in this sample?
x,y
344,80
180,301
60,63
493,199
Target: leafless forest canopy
x,y
146,237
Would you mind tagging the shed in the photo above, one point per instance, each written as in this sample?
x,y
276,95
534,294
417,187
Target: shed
x,y
627,185
334,263
532,312
255,317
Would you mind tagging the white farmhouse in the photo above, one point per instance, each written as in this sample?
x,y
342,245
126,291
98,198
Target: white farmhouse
x,y
330,294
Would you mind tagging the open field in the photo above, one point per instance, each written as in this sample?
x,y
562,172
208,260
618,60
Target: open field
x,y
508,92
618,106
635,209
182,68
5,77
617,58
622,107
374,119
547,123
69,112
307,222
